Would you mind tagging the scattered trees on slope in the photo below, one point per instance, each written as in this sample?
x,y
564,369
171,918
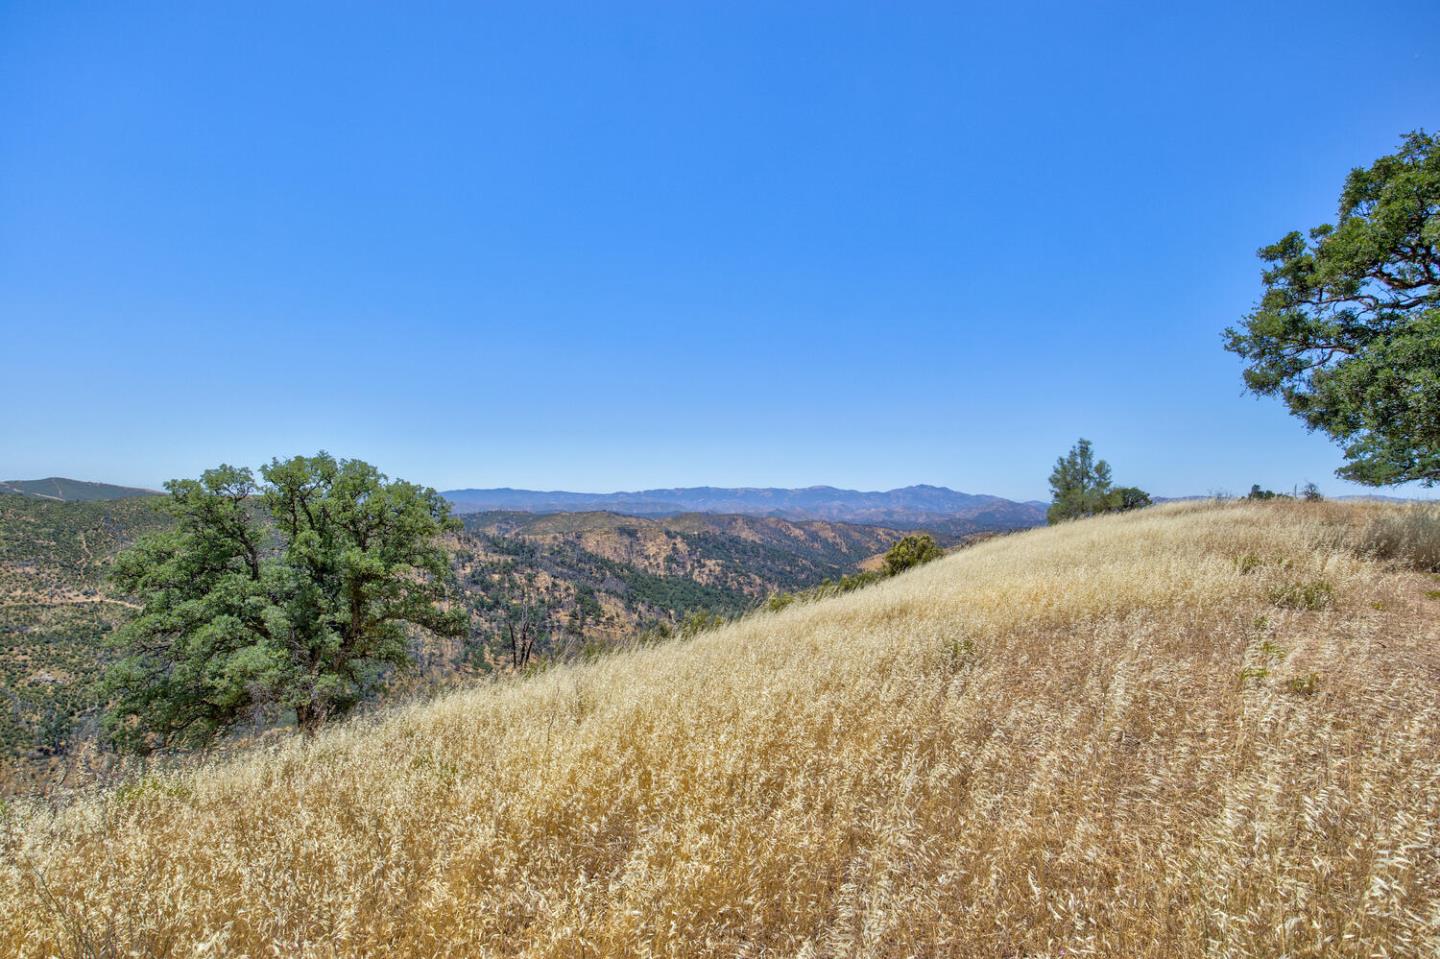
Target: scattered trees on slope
x,y
1347,332
287,594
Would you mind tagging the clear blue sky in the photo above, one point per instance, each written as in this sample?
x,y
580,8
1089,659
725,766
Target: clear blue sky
x,y
611,246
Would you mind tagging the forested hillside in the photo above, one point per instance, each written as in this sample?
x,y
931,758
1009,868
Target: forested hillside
x,y
578,577
55,611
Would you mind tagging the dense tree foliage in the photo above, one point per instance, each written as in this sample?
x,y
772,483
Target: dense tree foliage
x,y
910,551
288,594
1081,486
1128,497
1348,329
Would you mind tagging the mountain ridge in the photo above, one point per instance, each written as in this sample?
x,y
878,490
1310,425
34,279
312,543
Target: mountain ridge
x,y
64,490
906,506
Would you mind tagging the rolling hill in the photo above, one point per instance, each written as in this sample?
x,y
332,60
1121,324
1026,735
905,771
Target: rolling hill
x,y
908,507
72,491
1192,730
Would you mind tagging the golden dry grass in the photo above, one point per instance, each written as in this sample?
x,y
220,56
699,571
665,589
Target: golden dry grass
x,y
1195,730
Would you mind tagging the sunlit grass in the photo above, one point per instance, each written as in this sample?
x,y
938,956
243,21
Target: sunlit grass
x,y
1144,735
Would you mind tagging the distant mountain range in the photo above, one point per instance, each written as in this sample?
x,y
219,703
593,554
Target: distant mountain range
x,y
72,491
933,507
909,506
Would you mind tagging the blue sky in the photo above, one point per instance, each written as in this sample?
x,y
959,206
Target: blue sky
x,y
612,246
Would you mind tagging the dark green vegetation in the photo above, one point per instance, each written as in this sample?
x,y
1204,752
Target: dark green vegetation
x,y
54,611
1348,329
913,550
286,596
1081,486
72,491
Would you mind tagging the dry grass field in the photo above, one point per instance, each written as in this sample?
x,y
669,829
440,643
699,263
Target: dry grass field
x,y
1195,730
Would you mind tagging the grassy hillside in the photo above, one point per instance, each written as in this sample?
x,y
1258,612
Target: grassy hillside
x,y
1193,730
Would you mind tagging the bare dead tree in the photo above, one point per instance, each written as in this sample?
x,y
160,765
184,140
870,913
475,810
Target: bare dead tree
x,y
524,628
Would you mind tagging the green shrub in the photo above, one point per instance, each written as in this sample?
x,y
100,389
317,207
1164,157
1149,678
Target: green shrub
x,y
961,653
1314,595
913,550
779,601
701,621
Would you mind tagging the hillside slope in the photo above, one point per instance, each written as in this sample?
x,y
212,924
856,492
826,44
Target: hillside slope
x,y
72,491
54,614
590,579
1193,730
600,577
753,554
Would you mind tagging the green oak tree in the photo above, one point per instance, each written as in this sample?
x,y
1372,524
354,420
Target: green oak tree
x,y
1127,497
287,595
914,549
1347,332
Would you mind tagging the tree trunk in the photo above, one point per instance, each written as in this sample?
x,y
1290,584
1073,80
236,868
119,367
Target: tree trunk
x,y
309,719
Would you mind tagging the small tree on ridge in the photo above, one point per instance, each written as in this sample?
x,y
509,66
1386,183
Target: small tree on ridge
x,y
1081,486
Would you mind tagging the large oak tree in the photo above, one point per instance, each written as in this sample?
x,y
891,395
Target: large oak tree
x,y
1348,329
290,595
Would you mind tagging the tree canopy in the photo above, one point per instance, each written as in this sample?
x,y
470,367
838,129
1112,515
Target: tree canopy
x,y
1348,329
911,550
290,594
1080,485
